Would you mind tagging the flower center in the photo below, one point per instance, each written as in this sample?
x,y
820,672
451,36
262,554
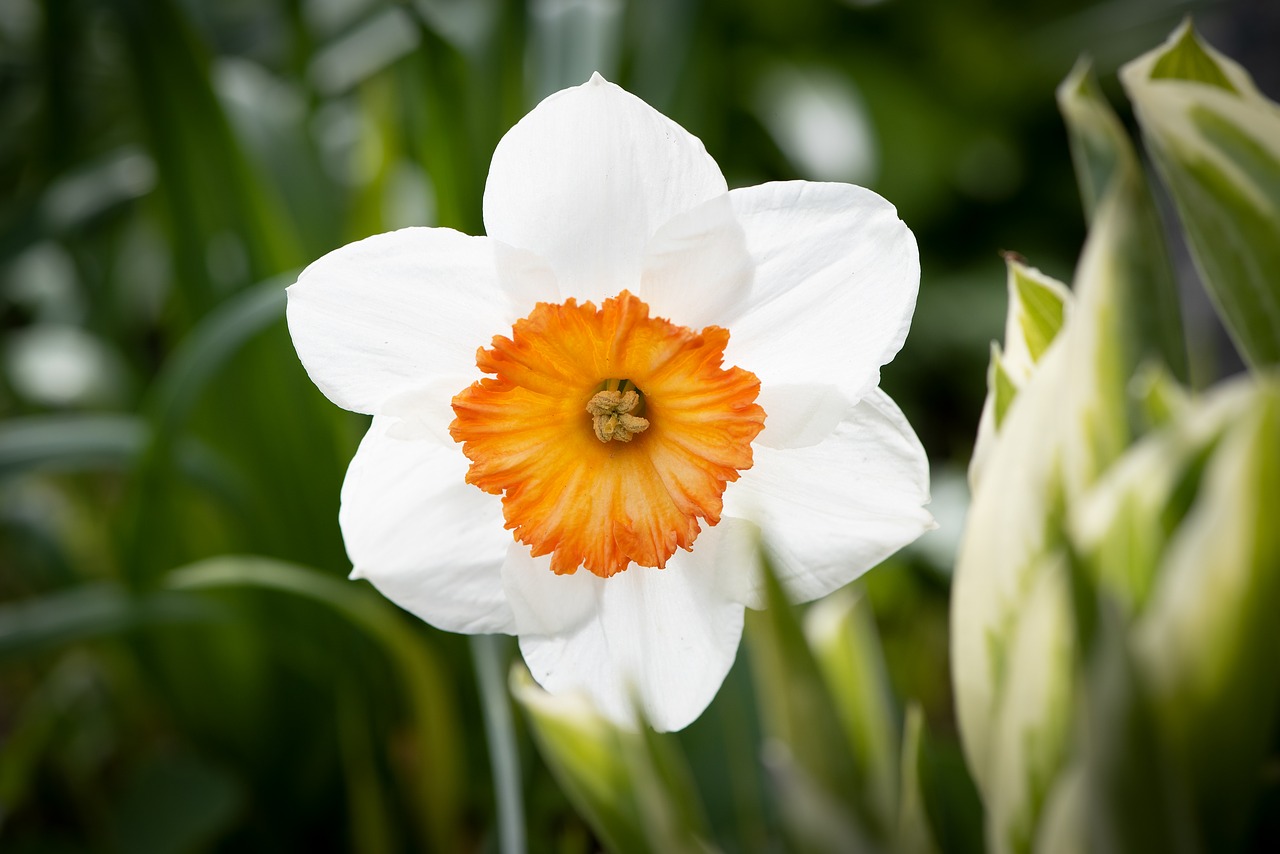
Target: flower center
x,y
667,428
612,411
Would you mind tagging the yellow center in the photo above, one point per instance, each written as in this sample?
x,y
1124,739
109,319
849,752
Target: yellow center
x,y
609,434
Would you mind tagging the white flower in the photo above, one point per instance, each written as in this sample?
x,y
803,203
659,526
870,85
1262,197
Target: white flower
x,y
546,399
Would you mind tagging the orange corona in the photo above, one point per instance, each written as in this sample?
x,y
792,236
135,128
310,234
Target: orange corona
x,y
608,433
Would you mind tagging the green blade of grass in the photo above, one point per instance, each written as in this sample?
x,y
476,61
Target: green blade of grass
x,y
438,784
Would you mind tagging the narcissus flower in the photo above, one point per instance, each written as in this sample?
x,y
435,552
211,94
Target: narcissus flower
x,y
588,423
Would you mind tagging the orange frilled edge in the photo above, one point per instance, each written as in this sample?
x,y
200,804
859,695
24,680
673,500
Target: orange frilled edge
x,y
604,505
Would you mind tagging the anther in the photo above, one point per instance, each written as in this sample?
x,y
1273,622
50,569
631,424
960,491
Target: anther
x,y
611,416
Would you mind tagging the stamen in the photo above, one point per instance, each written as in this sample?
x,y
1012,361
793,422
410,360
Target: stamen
x,y
611,416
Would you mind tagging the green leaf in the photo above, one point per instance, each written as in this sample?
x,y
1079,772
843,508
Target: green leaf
x,y
1217,147
842,634
1001,385
1176,578
212,192
1122,527
88,612
38,726
951,800
173,803
798,710
1031,730
817,820
1206,642
1132,799
587,755
367,799
437,784
1062,825
1037,308
1071,419
491,656
1040,301
989,423
1100,148
1161,399
89,442
70,442
1009,529
202,354
284,450
1186,59
631,784
915,836
668,800
1067,424
1139,306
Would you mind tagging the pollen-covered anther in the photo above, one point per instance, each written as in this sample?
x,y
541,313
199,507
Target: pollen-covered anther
x,y
611,416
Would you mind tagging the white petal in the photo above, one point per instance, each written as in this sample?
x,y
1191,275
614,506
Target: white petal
x,y
429,541
384,315
526,278
545,603
696,267
425,412
835,285
585,180
665,637
797,416
831,511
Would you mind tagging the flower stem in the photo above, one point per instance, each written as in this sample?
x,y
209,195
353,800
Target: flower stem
x,y
490,657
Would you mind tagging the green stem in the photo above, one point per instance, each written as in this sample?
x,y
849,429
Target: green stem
x,y
488,653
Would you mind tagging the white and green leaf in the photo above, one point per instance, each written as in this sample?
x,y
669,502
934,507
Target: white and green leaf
x,y
1033,719
1146,316
585,753
813,769
1216,142
1010,529
1067,423
1063,829
1206,642
1121,527
1037,306
628,784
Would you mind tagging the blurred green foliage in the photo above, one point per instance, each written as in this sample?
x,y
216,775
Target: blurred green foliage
x,y
165,169
1115,680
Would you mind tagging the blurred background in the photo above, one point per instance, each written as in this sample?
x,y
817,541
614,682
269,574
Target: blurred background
x,y
166,168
